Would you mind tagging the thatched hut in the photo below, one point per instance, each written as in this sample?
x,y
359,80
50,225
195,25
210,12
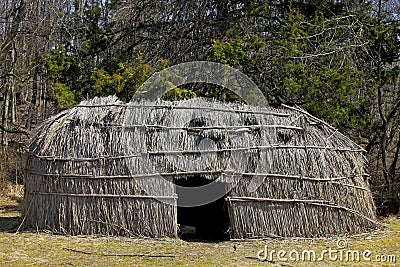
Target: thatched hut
x,y
104,167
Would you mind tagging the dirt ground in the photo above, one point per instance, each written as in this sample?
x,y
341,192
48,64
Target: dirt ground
x,y
379,248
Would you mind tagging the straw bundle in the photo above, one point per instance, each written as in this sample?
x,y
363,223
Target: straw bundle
x,y
103,166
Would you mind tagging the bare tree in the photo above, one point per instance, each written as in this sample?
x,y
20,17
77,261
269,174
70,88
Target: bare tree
x,y
14,14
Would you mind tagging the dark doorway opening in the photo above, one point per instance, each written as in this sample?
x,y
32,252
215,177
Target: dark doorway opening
x,y
210,221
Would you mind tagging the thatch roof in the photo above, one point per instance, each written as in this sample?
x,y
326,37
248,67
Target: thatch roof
x,y
94,169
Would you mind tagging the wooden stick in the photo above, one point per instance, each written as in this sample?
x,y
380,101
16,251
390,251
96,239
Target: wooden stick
x,y
127,106
183,152
252,148
89,176
354,186
296,177
320,121
246,199
217,127
13,131
121,255
262,260
305,201
50,158
346,209
23,220
225,174
103,195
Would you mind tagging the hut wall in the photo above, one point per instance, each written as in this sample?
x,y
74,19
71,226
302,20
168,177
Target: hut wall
x,y
78,180
255,219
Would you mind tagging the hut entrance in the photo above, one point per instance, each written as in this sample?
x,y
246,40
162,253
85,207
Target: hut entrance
x,y
208,222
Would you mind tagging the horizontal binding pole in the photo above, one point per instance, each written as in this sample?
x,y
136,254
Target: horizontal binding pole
x,y
295,177
353,186
220,127
224,173
149,175
352,211
321,122
50,158
255,199
313,179
104,195
278,114
322,203
185,152
305,147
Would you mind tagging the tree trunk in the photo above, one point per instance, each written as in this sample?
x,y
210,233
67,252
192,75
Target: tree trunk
x,y
393,166
7,99
4,120
32,105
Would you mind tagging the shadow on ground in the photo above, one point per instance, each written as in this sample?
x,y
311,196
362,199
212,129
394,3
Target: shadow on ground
x,y
9,224
9,215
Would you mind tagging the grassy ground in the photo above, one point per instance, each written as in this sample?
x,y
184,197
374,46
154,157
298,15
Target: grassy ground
x,y
45,249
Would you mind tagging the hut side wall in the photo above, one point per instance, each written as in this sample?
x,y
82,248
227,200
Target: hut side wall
x,y
293,207
78,180
254,219
101,215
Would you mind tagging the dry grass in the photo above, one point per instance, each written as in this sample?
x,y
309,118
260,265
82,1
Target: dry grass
x,y
45,249
13,191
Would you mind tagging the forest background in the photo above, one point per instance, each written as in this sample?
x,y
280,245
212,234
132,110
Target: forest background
x,y
339,60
